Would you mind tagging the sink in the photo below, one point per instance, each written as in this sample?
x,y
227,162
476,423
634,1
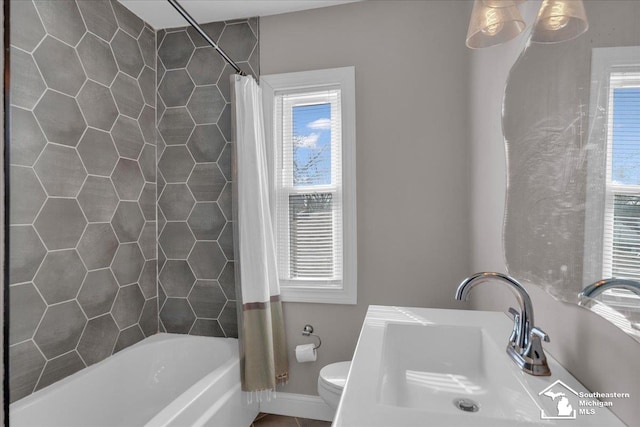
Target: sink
x,y
449,367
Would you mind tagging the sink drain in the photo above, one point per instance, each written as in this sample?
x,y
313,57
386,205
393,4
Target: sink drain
x,y
466,405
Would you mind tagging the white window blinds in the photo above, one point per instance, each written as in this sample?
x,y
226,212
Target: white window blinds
x,y
308,188
621,254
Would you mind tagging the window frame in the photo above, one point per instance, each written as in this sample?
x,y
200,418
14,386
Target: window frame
x,y
305,290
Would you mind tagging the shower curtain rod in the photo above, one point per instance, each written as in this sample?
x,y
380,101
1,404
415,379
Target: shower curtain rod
x,y
199,29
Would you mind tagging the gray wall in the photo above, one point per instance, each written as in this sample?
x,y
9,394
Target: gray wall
x,y
82,208
195,244
412,155
601,356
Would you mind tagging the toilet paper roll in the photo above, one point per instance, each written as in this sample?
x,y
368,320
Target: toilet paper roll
x,y
306,353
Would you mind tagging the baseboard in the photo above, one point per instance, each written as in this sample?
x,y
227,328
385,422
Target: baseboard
x,y
298,405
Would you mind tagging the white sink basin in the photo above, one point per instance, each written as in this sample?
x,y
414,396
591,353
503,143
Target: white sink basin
x,y
412,364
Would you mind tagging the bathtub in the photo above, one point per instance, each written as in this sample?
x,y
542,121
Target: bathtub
x,y
164,380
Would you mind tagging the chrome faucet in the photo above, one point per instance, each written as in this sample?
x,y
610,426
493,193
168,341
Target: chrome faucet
x,y
600,286
525,346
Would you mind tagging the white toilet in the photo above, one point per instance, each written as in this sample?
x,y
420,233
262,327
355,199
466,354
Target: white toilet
x,y
331,382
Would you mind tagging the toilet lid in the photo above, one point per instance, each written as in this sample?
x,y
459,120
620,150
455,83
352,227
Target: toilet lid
x,y
334,376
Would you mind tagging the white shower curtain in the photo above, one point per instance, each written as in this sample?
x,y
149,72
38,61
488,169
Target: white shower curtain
x,y
263,349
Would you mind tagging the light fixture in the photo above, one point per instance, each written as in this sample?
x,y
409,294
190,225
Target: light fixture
x,y
502,3
559,20
490,26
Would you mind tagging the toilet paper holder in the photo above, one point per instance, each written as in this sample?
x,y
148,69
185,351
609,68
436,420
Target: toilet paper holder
x,y
308,331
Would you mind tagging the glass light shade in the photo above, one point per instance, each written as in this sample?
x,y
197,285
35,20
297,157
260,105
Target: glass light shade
x,y
490,26
502,3
559,20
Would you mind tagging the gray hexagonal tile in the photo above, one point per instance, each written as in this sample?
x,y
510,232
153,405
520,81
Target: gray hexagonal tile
x,y
98,199
128,263
60,276
128,222
128,306
127,94
98,292
148,279
176,240
147,122
60,66
25,366
60,329
27,140
207,260
213,30
62,20
97,105
26,255
27,198
206,143
227,280
176,164
127,20
149,317
205,66
175,50
176,278
97,152
25,319
228,320
98,339
206,182
127,53
238,41
176,202
225,240
224,201
176,126
206,104
25,13
128,179
175,88
162,296
224,162
147,42
147,83
148,240
97,246
206,221
207,328
99,18
147,162
59,368
97,59
224,123
207,299
126,134
51,107
26,82
177,316
160,183
128,337
60,223
148,201
61,171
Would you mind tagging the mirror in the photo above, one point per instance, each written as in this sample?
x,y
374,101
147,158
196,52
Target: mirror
x,y
571,122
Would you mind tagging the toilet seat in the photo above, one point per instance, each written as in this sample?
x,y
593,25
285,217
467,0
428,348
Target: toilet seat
x,y
331,382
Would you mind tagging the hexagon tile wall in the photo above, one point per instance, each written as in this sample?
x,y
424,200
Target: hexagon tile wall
x,y
83,187
195,241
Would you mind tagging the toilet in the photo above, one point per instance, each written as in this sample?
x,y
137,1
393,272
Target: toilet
x,y
331,382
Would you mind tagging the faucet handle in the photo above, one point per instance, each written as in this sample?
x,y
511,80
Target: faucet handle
x,y
540,333
515,333
514,313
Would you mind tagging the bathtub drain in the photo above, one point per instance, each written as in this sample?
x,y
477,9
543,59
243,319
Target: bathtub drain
x,y
466,405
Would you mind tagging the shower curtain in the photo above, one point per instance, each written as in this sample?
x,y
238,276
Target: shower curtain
x,y
263,350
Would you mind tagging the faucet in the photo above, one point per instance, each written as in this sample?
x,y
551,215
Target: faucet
x,y
600,286
525,346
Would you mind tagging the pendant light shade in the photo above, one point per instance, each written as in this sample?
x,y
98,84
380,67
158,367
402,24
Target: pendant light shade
x,y
490,26
559,20
502,3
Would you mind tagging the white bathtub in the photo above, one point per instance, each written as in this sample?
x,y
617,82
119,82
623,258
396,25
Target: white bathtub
x,y
164,380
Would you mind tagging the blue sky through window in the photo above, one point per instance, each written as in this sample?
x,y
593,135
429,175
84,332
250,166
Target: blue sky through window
x,y
312,144
626,136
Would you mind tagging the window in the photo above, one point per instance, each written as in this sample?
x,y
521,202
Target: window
x,y
310,122
612,212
